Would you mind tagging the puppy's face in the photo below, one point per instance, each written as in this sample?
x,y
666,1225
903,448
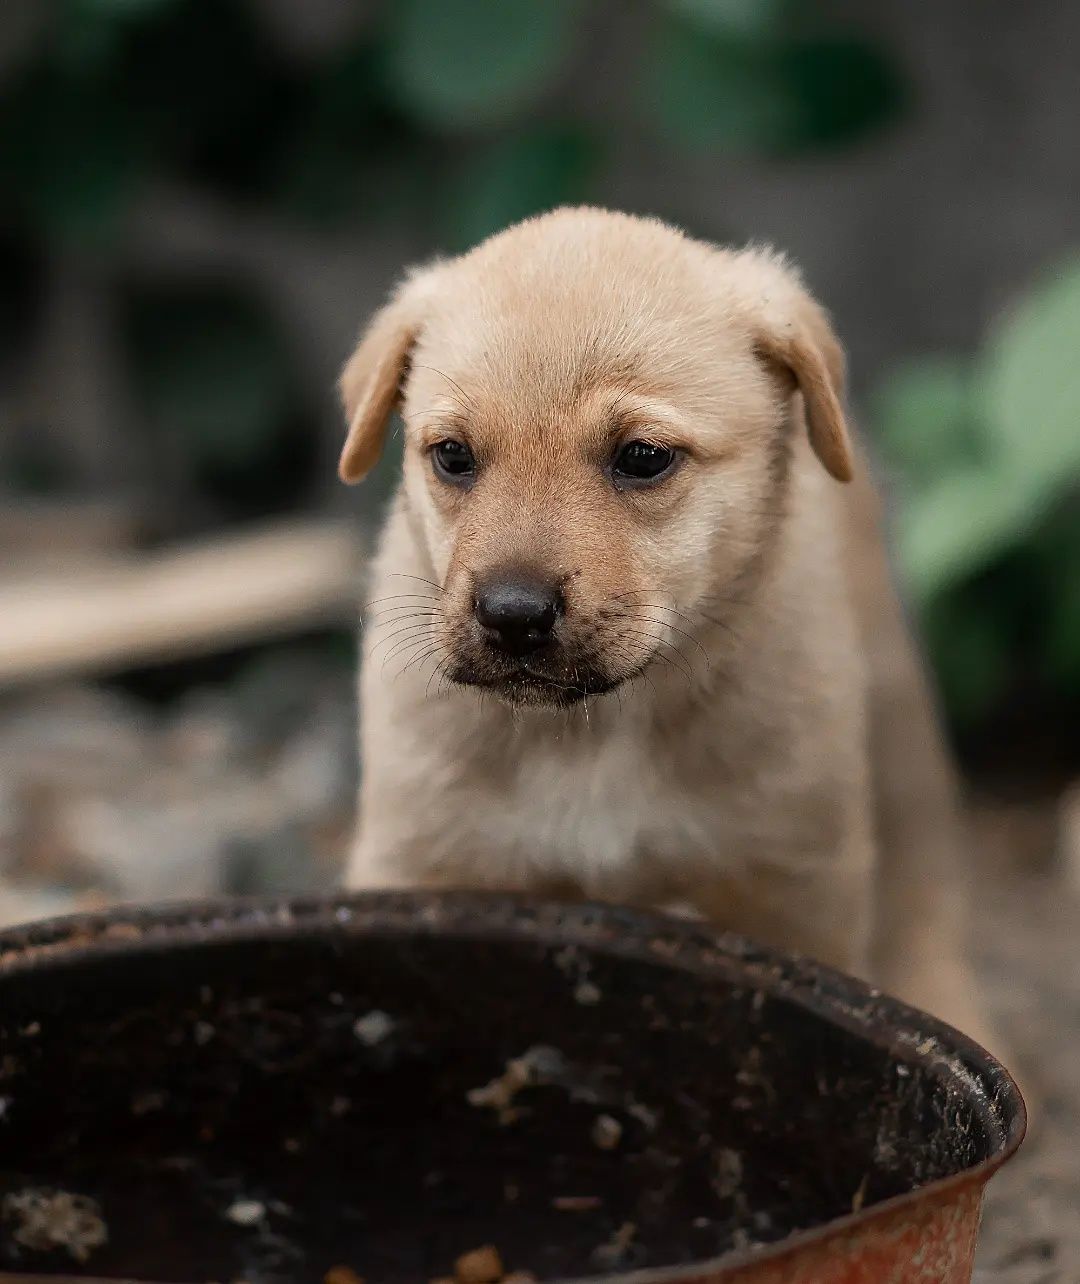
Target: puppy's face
x,y
596,435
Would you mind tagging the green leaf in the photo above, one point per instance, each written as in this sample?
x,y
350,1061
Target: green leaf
x,y
73,155
712,92
519,176
350,153
88,35
1058,549
846,88
459,63
970,654
1063,639
745,16
213,93
1030,377
748,91
960,523
211,371
924,420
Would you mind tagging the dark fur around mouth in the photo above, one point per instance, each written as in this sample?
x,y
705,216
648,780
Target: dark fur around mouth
x,y
523,686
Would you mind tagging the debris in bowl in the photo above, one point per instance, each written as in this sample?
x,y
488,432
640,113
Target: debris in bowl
x,y
246,1212
48,1219
484,1265
616,1250
479,1266
538,1065
374,1028
606,1132
576,1203
342,1275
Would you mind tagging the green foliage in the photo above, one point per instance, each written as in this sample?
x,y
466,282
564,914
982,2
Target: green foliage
x,y
124,93
1056,580
728,78
447,115
749,17
721,92
989,524
1030,384
923,419
989,450
467,63
452,118
970,650
518,176
72,155
210,370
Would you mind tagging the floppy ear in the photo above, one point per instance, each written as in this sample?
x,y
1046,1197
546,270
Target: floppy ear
x,y
793,332
371,382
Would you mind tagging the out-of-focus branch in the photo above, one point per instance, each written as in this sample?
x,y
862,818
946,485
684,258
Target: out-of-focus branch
x,y
124,611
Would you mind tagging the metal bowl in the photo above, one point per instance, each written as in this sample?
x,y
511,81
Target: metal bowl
x,y
267,1092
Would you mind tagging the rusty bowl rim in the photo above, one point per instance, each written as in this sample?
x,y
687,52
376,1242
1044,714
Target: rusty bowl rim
x,y
904,1031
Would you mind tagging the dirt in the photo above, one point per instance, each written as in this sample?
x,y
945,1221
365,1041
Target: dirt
x,y
44,1220
1028,933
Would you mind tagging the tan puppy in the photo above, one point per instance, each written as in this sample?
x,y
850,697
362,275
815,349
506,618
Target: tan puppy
x,y
631,639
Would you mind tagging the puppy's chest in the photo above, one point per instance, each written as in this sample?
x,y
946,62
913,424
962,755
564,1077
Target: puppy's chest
x,y
588,808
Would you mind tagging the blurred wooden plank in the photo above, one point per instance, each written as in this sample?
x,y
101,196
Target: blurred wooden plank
x,y
128,610
46,534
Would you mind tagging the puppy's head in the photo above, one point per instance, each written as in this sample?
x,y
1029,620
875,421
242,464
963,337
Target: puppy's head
x,y
598,415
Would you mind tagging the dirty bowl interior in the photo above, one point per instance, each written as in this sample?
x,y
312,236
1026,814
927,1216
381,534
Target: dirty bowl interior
x,y
265,1093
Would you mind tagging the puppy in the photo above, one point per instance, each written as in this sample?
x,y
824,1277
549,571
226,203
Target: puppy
x,y
633,635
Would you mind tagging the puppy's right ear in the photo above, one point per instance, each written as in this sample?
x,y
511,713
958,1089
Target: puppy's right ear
x,y
371,383
791,331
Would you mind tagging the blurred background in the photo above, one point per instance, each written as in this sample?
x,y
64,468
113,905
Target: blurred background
x,y
200,203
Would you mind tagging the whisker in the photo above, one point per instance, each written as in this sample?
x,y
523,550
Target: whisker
x,y
419,660
683,667
381,618
722,624
648,619
405,645
426,621
641,671
408,606
719,598
654,654
453,383
403,575
399,597
626,657
438,669
412,630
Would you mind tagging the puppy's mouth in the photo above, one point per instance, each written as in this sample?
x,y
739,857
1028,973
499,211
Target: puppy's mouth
x,y
528,684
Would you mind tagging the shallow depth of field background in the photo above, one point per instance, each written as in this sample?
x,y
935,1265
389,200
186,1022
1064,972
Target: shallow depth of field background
x,y
200,203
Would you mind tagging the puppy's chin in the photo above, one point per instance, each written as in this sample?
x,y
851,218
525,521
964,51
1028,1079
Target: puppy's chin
x,y
523,685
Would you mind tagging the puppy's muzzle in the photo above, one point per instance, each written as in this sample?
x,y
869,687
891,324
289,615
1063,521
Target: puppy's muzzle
x,y
517,614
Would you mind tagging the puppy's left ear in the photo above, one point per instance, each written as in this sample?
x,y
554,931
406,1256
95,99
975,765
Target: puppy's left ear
x,y
792,331
371,383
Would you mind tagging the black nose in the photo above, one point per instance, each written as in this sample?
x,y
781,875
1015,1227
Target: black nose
x,y
518,614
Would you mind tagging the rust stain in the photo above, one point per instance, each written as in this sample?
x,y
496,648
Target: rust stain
x,y
931,1241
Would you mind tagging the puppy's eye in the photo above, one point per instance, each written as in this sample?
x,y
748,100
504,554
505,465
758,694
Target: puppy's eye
x,y
642,461
453,461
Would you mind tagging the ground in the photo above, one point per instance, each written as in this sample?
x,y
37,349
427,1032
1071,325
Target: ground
x,y
1028,933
